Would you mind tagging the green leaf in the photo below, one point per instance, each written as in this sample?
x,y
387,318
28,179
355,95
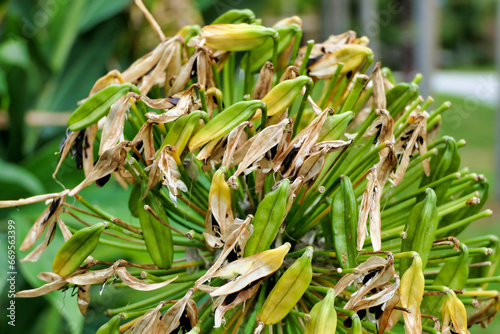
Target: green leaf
x,y
97,11
17,175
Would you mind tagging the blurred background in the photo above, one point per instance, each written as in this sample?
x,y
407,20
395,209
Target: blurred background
x,y
52,51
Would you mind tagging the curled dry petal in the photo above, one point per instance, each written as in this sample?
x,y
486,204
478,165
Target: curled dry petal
x,y
92,277
293,156
413,137
250,269
263,142
43,290
110,160
171,320
38,251
149,322
230,242
64,149
170,173
144,64
112,131
264,82
83,298
186,104
138,284
236,138
158,72
46,218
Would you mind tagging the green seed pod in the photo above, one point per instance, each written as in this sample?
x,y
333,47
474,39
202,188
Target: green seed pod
x,y
399,96
323,316
133,200
267,220
453,275
482,189
236,16
288,290
342,230
76,249
259,56
111,327
351,55
224,122
283,95
356,326
421,227
236,37
97,106
335,126
180,133
158,237
446,162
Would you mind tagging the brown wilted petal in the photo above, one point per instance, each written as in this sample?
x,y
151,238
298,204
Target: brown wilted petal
x,y
221,306
48,276
379,100
43,290
92,277
293,156
204,68
249,269
64,149
145,136
110,160
236,138
170,173
184,75
414,137
374,266
230,242
263,142
112,131
387,320
332,44
83,298
158,72
144,64
382,128
291,72
88,148
384,294
113,77
219,205
138,284
367,205
38,251
173,318
264,82
45,219
149,322
485,314
186,104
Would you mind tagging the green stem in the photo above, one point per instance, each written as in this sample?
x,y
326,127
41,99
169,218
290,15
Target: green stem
x,y
296,124
445,106
305,60
442,232
353,96
171,293
331,84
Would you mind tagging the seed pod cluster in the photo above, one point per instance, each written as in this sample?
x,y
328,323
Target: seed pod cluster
x,y
238,177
